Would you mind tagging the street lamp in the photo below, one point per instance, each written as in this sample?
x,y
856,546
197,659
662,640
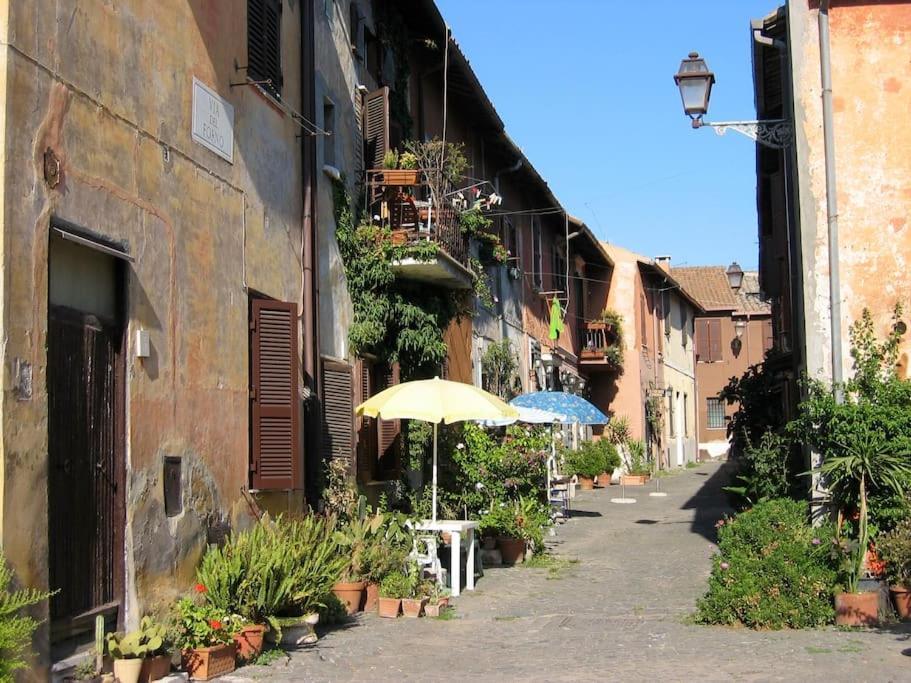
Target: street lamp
x,y
735,275
695,82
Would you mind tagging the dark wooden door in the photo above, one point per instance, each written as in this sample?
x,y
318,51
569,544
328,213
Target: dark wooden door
x,y
85,479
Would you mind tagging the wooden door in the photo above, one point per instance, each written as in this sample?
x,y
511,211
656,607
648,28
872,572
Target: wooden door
x,y
85,478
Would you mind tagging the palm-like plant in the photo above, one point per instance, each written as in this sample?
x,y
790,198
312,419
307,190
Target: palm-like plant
x,y
867,459
15,629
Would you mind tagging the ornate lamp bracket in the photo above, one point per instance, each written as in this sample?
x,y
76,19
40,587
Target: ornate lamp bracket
x,y
774,133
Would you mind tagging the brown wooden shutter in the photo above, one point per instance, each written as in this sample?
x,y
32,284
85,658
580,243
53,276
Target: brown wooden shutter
x,y
264,22
274,396
643,321
338,410
366,428
768,338
702,339
714,334
388,430
376,127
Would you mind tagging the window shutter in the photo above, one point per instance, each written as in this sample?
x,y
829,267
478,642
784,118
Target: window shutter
x,y
264,21
702,331
376,127
768,339
366,430
274,396
643,321
714,334
338,410
388,430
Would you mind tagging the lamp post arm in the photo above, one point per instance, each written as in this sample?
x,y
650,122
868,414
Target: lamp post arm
x,y
774,133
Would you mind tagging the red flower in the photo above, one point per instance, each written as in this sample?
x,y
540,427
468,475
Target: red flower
x,y
200,588
215,624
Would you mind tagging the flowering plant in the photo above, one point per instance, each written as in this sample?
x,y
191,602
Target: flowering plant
x,y
196,624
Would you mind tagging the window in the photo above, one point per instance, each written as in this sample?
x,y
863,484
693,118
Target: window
x,y
643,321
579,287
559,269
378,441
275,403
768,339
671,417
329,127
338,410
537,255
684,324
708,340
356,31
715,413
686,412
666,312
264,62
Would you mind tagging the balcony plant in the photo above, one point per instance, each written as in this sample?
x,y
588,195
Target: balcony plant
x,y
205,637
142,649
895,549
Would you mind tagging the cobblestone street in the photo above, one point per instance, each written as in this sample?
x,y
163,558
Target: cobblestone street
x,y
620,613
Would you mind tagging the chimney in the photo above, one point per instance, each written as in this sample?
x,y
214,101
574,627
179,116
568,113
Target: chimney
x,y
664,263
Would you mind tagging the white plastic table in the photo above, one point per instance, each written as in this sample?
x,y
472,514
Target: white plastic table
x,y
456,527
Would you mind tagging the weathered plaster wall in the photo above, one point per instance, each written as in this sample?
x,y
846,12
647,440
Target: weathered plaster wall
x,y
108,89
871,72
336,82
680,375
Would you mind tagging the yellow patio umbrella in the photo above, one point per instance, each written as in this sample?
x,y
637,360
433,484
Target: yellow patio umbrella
x,y
436,400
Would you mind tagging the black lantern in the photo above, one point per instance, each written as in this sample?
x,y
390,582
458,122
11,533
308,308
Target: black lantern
x,y
695,82
735,276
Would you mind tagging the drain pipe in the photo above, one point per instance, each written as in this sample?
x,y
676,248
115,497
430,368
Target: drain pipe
x,y
825,72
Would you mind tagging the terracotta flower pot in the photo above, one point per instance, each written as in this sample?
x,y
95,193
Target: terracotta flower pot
x,y
857,609
604,479
432,609
351,593
512,550
204,663
127,670
412,607
154,668
372,597
586,483
634,479
401,176
389,607
901,596
249,641
296,633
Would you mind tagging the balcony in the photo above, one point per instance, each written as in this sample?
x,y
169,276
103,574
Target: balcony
x,y
399,200
601,350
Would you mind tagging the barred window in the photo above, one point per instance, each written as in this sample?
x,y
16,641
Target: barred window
x,y
715,411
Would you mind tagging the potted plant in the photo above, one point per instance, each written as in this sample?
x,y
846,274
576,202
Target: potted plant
x,y
638,470
895,549
437,600
355,539
611,459
400,169
394,586
864,460
130,650
205,639
157,663
587,462
414,598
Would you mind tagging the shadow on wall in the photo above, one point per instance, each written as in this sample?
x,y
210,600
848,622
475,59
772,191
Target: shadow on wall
x,y
710,502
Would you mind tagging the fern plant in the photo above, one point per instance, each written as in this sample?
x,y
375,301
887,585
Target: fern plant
x,y
16,629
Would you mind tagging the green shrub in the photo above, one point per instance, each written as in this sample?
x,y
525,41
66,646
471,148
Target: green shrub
x,y
611,455
638,461
587,461
526,519
772,570
763,470
15,629
395,585
895,550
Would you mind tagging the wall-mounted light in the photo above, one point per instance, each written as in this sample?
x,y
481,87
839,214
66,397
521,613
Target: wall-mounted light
x,y
739,328
735,275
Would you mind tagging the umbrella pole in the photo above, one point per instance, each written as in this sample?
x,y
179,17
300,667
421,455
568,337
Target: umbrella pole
x,y
435,425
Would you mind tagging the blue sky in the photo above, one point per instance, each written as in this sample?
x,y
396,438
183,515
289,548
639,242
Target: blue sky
x,y
586,89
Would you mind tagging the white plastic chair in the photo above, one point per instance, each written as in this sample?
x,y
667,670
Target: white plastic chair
x,y
424,552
